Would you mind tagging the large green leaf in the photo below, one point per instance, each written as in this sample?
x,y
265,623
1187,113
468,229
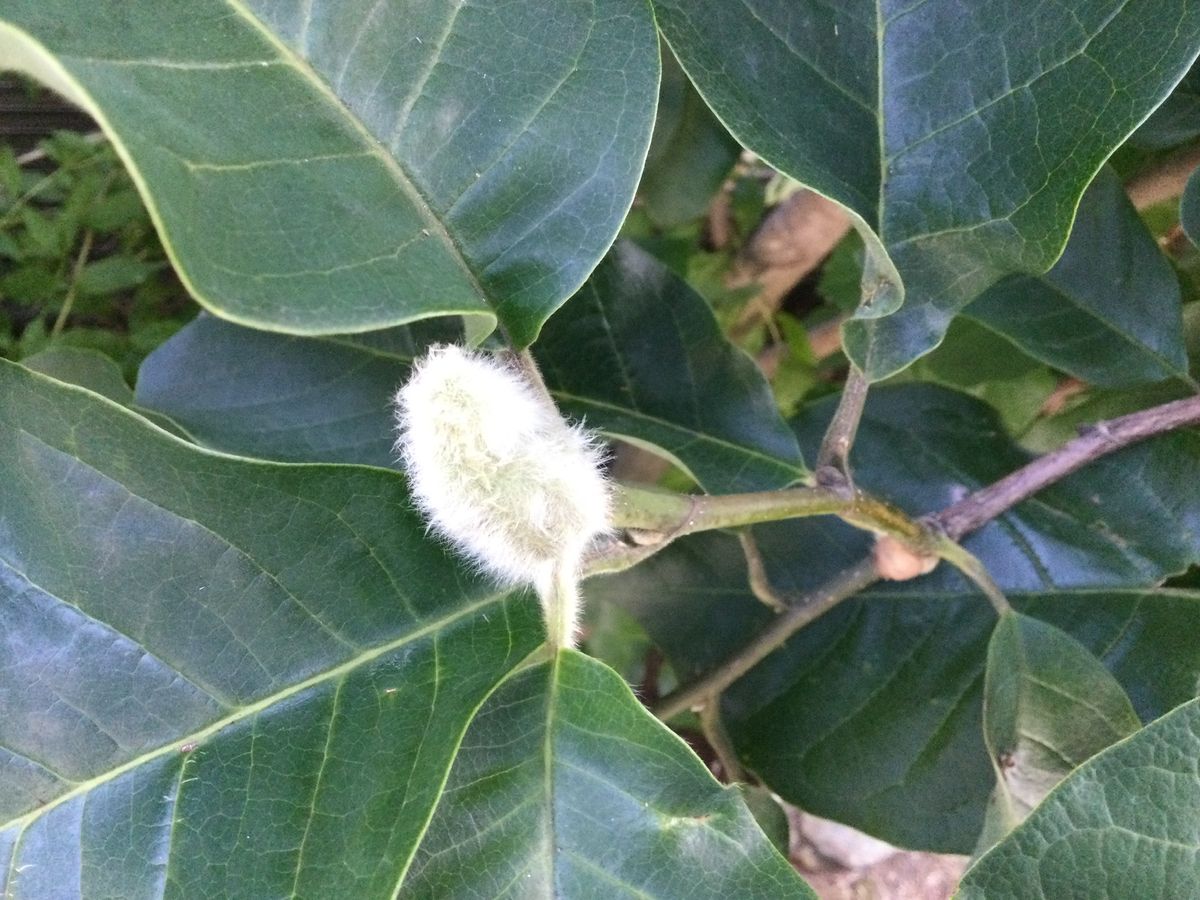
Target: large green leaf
x,y
563,753
872,714
980,362
961,144
636,353
225,678
1109,311
274,396
1048,706
320,167
1124,825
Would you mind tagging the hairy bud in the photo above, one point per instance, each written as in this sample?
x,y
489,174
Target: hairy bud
x,y
497,471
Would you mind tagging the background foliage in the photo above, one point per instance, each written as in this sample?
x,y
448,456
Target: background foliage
x,y
233,662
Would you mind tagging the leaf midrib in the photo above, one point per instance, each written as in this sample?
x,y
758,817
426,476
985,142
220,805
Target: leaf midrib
x,y
549,799
252,709
394,166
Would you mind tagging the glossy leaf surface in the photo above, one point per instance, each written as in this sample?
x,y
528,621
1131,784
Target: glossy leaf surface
x,y
1126,824
330,167
1109,311
564,752
1177,120
961,134
636,353
86,368
243,679
1048,706
294,399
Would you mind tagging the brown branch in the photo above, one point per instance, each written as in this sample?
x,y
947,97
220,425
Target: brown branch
x,y
1165,179
807,608
946,528
1094,442
790,243
834,453
756,573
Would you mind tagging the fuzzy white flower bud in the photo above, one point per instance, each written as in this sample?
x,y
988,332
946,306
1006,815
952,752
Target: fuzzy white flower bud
x,y
497,471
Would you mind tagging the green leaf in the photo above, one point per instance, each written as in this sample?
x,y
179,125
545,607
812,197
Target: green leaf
x,y
1176,121
980,362
564,752
872,714
228,678
1048,706
615,638
1019,401
1125,824
342,168
114,274
85,367
42,235
286,398
636,354
10,176
9,247
961,146
114,210
1109,311
770,815
841,273
690,155
971,356
33,283
89,368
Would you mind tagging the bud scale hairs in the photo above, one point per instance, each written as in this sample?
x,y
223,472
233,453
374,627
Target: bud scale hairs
x,y
496,470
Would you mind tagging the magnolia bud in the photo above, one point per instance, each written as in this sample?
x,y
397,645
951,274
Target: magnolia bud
x,y
496,471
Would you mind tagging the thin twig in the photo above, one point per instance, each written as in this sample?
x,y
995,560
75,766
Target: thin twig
x,y
943,531
674,515
649,519
1094,442
718,738
85,250
834,456
525,363
39,153
733,510
809,607
756,572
